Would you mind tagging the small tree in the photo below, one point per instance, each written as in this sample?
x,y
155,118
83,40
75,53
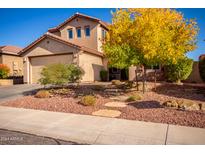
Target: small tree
x,y
179,71
60,74
74,73
4,71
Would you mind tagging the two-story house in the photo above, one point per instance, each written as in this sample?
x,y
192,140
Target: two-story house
x,y
77,41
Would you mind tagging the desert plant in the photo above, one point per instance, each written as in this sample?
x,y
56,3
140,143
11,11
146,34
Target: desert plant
x,y
134,97
74,73
42,94
104,75
62,91
88,100
4,71
179,71
202,68
60,74
116,82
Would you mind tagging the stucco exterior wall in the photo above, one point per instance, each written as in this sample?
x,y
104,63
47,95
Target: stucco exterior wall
x,y
92,65
195,76
91,41
15,64
100,37
48,47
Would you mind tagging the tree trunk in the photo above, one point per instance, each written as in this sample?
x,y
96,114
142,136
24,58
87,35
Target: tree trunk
x,y
136,79
155,80
144,80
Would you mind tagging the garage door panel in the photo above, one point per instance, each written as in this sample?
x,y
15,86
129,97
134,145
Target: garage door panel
x,y
38,63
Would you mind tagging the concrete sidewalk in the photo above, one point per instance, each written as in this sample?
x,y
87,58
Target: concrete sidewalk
x,y
96,130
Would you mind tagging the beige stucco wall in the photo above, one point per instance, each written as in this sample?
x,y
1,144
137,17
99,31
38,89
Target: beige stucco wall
x,y
92,65
15,64
48,47
100,38
195,76
91,41
45,47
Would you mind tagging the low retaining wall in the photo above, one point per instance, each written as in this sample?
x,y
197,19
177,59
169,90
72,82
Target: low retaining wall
x,y
6,82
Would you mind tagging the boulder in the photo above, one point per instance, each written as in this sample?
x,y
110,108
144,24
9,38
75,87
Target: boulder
x,y
188,105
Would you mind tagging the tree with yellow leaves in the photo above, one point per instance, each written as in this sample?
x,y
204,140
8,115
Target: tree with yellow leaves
x,y
149,37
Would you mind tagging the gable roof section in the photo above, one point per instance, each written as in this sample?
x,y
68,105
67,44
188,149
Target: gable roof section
x,y
8,49
201,56
59,39
102,23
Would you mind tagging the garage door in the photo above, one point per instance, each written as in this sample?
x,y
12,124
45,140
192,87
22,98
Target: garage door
x,y
37,63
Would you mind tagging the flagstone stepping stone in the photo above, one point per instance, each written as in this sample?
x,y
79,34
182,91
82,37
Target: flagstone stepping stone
x,y
107,113
116,104
120,98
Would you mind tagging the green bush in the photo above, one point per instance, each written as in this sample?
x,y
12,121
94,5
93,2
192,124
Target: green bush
x,y
103,75
134,97
202,68
4,71
60,74
88,100
179,71
42,94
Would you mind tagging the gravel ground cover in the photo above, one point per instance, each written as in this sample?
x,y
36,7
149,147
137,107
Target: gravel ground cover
x,y
147,109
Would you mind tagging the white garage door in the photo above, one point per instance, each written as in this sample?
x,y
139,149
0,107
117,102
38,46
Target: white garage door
x,y
37,63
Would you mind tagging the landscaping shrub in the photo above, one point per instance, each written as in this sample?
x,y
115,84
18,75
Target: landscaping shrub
x,y
134,97
202,68
179,71
88,100
60,74
116,82
62,91
42,94
103,75
129,84
4,71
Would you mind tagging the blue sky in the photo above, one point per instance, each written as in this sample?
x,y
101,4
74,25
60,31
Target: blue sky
x,y
22,26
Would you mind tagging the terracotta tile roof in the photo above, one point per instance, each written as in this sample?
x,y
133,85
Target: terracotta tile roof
x,y
8,49
201,56
59,39
102,23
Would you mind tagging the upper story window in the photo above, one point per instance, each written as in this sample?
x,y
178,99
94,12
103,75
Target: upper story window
x,y
78,30
87,31
103,34
70,33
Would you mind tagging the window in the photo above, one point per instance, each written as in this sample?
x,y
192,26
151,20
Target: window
x,y
103,34
70,33
87,31
78,30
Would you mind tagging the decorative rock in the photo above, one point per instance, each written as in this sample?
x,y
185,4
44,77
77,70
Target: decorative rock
x,y
120,98
107,113
172,103
116,104
190,106
203,106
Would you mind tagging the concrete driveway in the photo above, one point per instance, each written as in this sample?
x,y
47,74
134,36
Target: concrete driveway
x,y
15,91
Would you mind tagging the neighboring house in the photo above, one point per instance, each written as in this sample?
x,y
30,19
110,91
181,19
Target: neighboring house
x,y
75,41
195,77
10,57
